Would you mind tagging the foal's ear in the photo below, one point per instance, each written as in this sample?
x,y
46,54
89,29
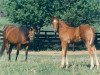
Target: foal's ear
x,y
54,17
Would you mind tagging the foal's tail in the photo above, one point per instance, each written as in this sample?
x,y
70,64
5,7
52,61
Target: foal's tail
x,y
3,47
92,36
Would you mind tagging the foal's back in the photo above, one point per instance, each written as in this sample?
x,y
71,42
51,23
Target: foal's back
x,y
86,31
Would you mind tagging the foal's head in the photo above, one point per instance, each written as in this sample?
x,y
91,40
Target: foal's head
x,y
32,33
55,22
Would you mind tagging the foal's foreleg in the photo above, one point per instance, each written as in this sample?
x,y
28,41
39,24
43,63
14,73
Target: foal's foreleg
x,y
64,56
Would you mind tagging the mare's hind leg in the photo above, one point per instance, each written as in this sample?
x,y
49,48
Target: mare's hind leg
x,y
90,54
26,53
64,56
17,53
7,47
95,56
9,52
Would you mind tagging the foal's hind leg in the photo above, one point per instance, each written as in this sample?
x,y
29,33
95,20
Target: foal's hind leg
x,y
95,56
90,54
64,56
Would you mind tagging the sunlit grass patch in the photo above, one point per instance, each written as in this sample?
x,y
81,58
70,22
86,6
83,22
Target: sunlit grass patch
x,y
46,65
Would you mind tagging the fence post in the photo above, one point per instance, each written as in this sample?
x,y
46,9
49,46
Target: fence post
x,y
95,41
55,34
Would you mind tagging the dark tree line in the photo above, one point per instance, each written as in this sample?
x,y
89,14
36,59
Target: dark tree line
x,y
39,12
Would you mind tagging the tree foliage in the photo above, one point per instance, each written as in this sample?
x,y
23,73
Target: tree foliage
x,y
40,12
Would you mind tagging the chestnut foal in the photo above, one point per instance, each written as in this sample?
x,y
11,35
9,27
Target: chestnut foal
x,y
69,34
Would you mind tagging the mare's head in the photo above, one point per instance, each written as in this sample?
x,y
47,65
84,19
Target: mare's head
x,y
55,22
31,34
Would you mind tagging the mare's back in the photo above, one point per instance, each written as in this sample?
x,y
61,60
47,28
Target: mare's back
x,y
12,34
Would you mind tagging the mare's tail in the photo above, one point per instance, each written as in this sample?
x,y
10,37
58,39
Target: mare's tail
x,y
3,46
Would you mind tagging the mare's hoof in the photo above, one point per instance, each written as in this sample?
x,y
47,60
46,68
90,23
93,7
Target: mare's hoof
x,y
26,60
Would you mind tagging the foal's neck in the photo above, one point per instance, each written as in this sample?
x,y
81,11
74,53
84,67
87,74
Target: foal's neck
x,y
62,26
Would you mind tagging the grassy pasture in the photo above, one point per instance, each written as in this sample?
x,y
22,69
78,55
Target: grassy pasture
x,y
42,63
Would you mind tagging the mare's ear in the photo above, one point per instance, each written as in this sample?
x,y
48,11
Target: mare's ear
x,y
30,28
33,29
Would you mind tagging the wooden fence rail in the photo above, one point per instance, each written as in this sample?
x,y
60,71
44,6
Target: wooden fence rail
x,y
48,39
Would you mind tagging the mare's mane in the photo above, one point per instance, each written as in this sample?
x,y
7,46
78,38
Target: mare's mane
x,y
24,30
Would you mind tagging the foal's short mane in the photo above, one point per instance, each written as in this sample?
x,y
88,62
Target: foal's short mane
x,y
61,22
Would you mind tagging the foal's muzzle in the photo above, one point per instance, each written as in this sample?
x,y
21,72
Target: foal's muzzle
x,y
55,30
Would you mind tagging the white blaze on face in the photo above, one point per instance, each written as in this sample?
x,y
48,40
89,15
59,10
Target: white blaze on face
x,y
54,21
55,25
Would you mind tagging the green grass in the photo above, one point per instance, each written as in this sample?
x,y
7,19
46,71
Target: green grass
x,y
3,22
46,65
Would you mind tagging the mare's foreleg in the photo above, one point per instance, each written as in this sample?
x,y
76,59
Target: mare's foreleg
x,y
26,53
17,53
64,56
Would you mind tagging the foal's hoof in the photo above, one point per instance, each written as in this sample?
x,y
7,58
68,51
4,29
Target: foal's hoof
x,y
66,67
91,67
62,66
9,60
97,67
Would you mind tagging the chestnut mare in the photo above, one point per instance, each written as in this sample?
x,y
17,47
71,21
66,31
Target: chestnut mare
x,y
69,34
17,36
